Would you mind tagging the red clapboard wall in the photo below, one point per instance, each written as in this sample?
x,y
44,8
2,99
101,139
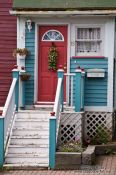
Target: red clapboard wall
x,y
7,44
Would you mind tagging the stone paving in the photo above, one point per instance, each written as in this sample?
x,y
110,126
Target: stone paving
x,y
105,165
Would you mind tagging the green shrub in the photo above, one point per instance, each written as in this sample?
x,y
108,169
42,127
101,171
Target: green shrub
x,y
101,136
73,146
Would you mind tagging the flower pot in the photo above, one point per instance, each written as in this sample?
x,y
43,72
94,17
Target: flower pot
x,y
25,77
21,56
21,60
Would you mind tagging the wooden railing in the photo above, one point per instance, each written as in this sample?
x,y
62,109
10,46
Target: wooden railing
x,y
8,115
58,106
9,111
55,118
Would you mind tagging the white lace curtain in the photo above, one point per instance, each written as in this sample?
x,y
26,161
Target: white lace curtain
x,y
88,39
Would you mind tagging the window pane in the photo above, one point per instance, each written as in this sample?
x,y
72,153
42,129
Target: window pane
x,y
53,35
88,40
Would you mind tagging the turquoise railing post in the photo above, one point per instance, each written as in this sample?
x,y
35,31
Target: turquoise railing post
x,y
78,90
82,88
23,94
15,74
61,75
1,140
52,140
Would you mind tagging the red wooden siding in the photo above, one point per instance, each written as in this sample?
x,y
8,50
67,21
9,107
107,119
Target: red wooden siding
x,y
7,44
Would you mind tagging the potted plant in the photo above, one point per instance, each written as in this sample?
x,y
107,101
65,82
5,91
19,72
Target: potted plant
x,y
25,76
20,53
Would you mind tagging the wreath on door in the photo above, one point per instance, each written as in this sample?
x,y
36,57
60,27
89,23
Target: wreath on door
x,y
52,58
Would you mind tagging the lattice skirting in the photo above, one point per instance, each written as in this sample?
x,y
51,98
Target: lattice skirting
x,y
95,120
71,127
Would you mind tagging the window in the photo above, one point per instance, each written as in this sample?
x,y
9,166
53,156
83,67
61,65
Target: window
x,y
52,35
88,41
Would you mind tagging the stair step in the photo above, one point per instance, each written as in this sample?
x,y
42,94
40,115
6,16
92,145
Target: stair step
x,y
31,137
32,119
34,112
26,160
29,146
28,132
31,127
15,149
31,124
27,155
29,141
24,165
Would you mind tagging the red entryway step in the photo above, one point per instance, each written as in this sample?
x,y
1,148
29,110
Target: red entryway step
x,y
44,106
48,106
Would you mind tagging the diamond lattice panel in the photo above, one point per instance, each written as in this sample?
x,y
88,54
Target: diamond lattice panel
x,y
71,126
93,120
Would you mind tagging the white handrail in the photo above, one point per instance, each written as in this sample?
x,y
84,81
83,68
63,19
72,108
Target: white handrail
x,y
57,95
57,105
9,97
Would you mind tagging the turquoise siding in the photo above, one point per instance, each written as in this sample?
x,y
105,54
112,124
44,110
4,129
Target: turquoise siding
x,y
95,88
30,61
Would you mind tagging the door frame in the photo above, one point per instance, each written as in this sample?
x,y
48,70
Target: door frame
x,y
37,24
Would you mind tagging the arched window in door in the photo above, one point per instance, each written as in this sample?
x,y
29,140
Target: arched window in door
x,y
52,35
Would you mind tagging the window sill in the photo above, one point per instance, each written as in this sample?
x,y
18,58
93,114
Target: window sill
x,y
93,57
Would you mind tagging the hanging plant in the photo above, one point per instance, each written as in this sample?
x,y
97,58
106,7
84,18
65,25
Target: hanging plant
x,y
52,58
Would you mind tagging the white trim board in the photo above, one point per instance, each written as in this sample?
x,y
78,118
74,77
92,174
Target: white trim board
x,y
20,44
37,24
98,109
109,53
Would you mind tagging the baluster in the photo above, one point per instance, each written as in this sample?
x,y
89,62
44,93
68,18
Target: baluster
x,y
82,88
71,91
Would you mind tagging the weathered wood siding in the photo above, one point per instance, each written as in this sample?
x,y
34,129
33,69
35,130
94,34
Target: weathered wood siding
x,y
7,44
95,88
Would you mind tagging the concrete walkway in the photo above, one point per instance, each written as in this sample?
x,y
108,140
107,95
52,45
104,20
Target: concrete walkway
x,y
105,165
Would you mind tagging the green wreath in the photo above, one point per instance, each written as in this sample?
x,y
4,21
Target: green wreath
x,y
52,58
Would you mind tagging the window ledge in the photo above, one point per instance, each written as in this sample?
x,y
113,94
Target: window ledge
x,y
93,57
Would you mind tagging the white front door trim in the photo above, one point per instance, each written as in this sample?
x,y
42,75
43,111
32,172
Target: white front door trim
x,y
37,24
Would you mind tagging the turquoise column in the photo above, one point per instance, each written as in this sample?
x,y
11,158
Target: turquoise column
x,y
1,140
82,89
61,75
52,141
78,90
15,74
23,94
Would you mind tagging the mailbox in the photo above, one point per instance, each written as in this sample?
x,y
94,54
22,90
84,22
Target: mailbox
x,y
98,73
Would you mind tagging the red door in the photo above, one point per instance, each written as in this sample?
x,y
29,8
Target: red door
x,y
47,79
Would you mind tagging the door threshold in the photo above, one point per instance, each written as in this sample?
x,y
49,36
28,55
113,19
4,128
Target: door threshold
x,y
44,103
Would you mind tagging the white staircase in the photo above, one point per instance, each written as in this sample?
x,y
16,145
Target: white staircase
x,y
29,143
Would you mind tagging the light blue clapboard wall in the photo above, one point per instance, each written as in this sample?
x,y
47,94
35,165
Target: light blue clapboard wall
x,y
95,88
30,61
